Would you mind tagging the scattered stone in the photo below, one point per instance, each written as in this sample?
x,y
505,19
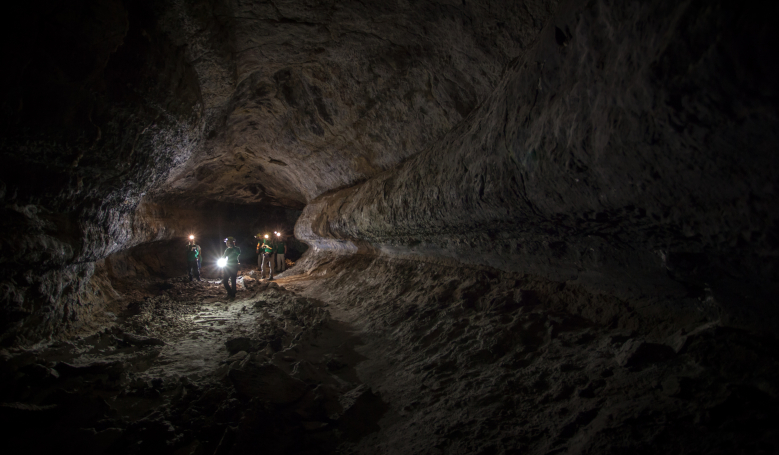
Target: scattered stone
x,y
249,281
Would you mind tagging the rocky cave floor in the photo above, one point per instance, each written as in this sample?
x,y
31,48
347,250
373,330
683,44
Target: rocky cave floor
x,y
369,355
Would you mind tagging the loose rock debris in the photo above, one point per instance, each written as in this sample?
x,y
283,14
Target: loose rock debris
x,y
188,371
387,357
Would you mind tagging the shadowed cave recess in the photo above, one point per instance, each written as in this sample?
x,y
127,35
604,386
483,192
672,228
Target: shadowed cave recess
x,y
512,227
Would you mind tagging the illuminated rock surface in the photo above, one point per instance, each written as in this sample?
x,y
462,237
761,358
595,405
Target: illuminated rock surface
x,y
536,226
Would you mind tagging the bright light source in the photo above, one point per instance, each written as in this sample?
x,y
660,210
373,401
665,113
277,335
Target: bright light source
x,y
191,237
279,234
266,236
221,262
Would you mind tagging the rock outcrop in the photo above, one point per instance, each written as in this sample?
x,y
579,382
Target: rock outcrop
x,y
97,106
635,158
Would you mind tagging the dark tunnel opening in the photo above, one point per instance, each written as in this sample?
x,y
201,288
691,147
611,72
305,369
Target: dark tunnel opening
x,y
209,223
509,227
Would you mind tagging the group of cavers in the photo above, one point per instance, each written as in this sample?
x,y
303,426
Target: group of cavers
x,y
270,257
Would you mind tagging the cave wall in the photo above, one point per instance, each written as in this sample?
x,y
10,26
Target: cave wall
x,y
631,149
628,147
109,106
95,113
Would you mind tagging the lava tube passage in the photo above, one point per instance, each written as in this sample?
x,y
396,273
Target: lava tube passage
x,y
389,227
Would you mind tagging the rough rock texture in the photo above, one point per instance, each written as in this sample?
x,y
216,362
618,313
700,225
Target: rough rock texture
x,y
304,97
106,104
401,357
537,226
472,360
94,114
631,148
119,392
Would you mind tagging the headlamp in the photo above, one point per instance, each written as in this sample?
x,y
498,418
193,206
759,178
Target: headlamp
x,y
191,237
221,262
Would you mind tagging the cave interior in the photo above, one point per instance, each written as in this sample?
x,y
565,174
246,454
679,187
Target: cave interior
x,y
511,226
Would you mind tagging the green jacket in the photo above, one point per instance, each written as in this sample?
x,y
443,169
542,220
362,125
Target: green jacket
x,y
267,247
280,248
193,251
232,255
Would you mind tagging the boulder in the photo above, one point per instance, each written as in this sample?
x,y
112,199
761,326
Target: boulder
x,y
267,382
362,411
313,374
235,345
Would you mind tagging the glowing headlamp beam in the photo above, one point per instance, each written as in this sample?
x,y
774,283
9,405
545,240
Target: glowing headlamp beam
x,y
221,262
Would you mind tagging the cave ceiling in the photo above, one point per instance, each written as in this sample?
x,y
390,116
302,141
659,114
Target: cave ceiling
x,y
579,140
300,98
